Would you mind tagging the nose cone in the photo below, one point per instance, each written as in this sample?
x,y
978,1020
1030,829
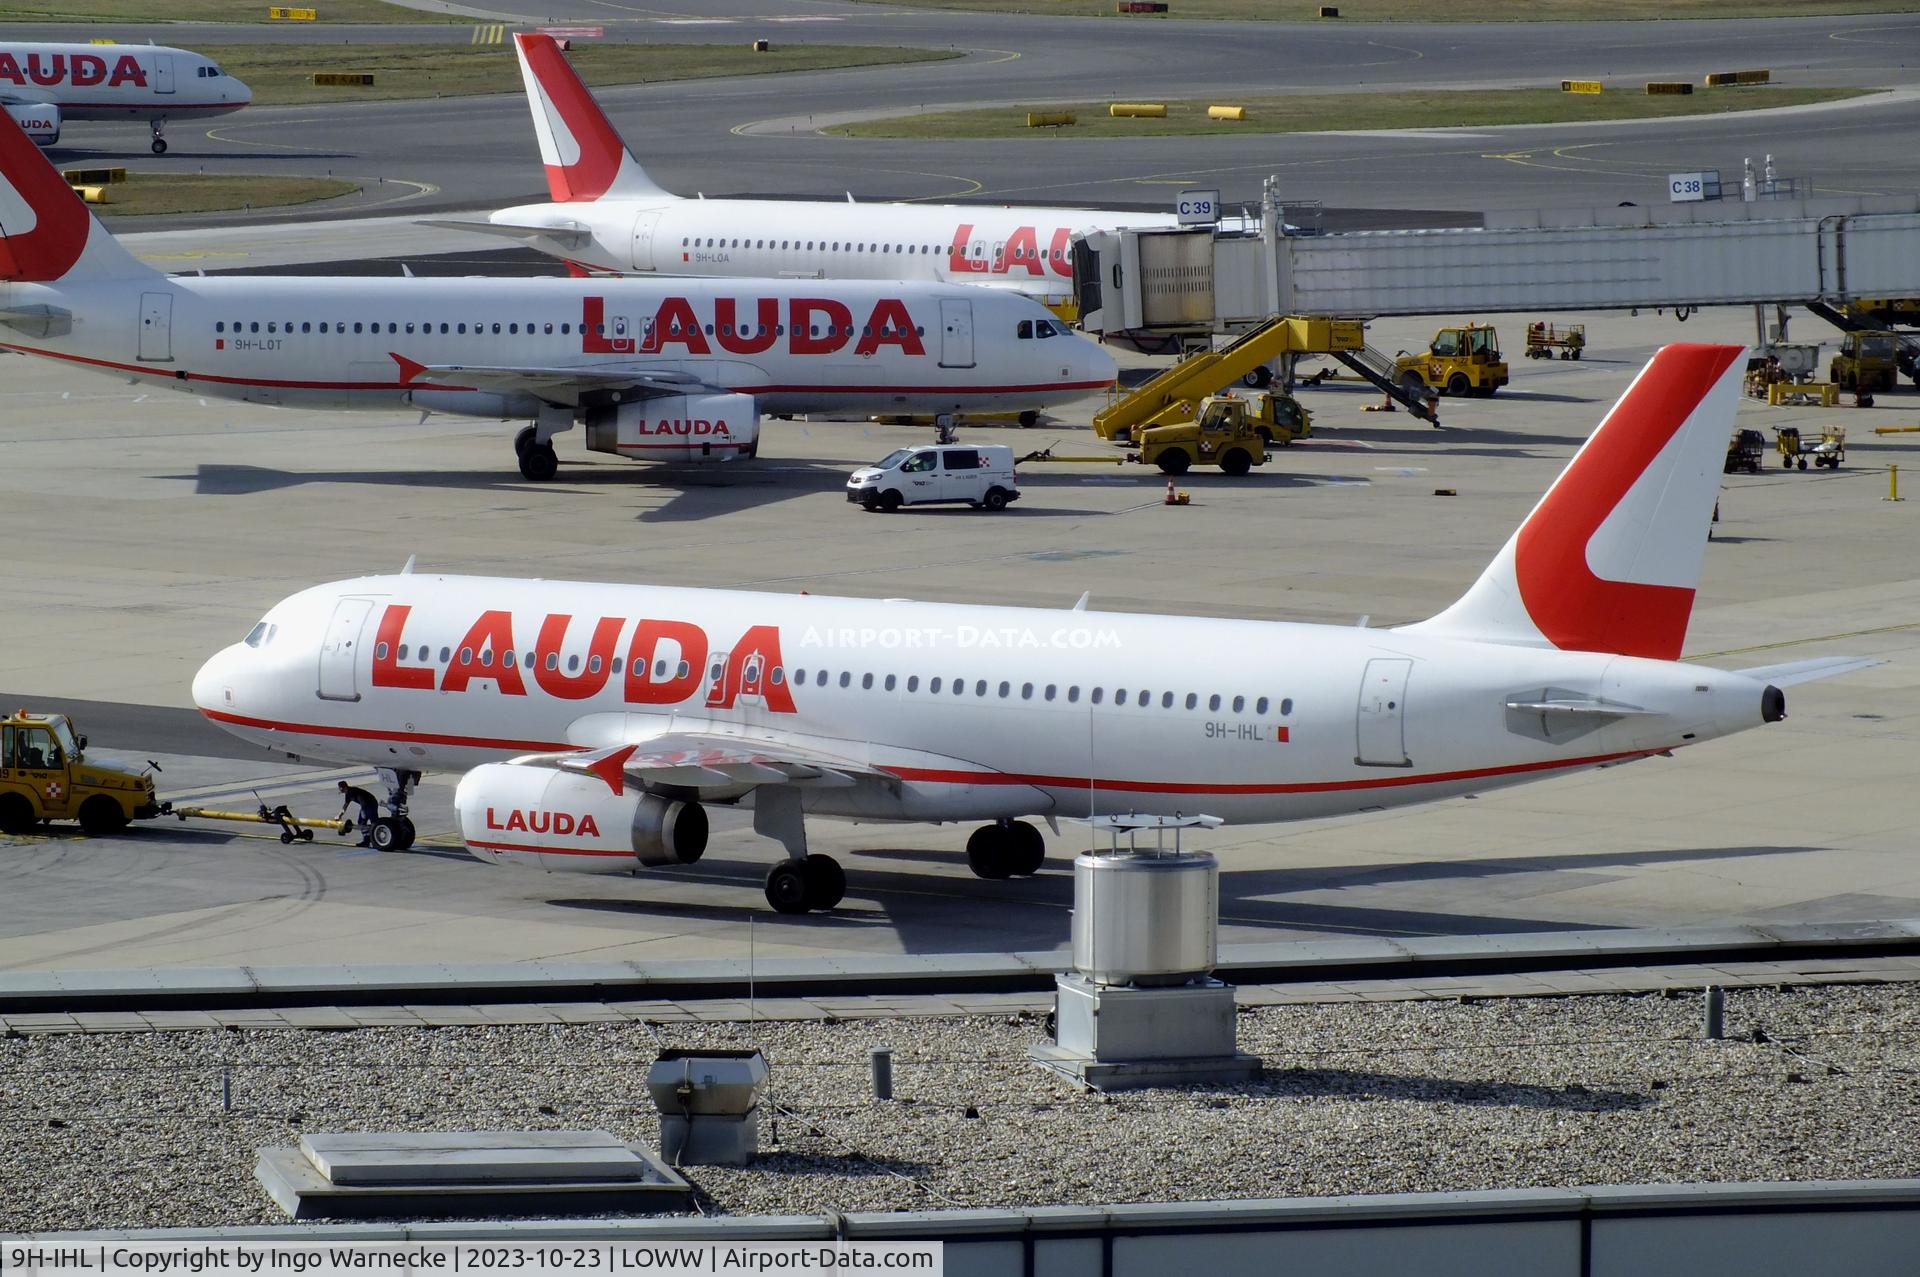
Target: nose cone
x,y
238,93
213,685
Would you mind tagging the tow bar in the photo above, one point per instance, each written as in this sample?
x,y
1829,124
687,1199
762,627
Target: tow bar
x,y
291,826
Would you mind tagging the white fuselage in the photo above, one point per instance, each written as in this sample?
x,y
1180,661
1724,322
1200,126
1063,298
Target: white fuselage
x,y
118,81
970,712
796,346
1025,250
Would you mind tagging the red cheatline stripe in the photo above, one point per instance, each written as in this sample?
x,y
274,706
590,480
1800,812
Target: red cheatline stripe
x,y
940,776
357,733
943,777
151,370
551,851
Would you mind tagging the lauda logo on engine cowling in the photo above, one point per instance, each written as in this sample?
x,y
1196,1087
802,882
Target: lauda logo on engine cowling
x,y
684,427
664,662
532,820
814,326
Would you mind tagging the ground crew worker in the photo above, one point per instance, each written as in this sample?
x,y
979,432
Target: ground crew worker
x,y
351,795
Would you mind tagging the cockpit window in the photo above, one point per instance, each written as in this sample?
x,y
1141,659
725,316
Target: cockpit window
x,y
1044,328
257,635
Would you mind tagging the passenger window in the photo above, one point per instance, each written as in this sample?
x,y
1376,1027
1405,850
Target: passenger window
x,y
846,677
891,681
220,327
779,675
866,682
1192,700
1239,703
1145,697
933,687
1073,694
1095,697
1166,700
1286,706
1260,706
1004,689
980,687
1050,691
466,656
446,654
1213,702
1026,691
682,670
913,682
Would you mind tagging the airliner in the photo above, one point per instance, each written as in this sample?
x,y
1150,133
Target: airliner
x,y
597,723
44,85
669,370
608,215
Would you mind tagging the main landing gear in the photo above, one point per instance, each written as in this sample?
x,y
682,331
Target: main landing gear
x,y
802,886
538,461
159,141
1006,849
395,832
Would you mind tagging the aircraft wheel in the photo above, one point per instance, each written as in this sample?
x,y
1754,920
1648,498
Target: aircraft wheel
x,y
16,814
159,146
1029,419
524,440
407,833
385,834
1029,849
826,881
989,853
539,462
787,887
102,815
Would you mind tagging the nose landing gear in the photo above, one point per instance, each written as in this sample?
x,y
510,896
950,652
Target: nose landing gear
x,y
394,832
159,141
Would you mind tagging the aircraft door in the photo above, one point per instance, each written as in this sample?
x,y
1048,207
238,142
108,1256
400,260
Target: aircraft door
x,y
1381,734
156,327
163,73
643,228
340,650
956,334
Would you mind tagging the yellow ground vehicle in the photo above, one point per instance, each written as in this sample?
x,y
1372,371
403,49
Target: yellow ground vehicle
x,y
1868,360
1229,431
1461,361
1543,339
45,775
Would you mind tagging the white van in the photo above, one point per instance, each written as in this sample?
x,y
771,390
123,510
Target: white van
x,y
980,476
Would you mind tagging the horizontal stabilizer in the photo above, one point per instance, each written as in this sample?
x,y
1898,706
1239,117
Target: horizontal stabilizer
x,y
1808,671
566,234
1577,707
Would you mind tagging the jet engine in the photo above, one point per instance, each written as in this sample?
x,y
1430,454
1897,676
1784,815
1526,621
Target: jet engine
x,y
677,428
39,121
538,815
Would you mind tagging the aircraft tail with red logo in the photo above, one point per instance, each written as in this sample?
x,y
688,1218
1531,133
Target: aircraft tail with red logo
x,y
46,233
584,154
1609,559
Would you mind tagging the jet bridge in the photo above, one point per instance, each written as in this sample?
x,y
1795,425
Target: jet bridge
x,y
1197,281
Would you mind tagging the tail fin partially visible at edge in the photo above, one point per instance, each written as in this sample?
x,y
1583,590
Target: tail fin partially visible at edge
x,y
584,154
1609,559
46,233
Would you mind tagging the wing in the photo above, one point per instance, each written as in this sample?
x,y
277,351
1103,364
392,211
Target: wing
x,y
565,386
711,761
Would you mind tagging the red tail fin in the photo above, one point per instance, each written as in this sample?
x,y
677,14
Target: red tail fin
x,y
581,149
46,233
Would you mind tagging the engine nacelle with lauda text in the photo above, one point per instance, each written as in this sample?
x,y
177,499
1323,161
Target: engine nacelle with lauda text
x,y
677,428
39,121
529,814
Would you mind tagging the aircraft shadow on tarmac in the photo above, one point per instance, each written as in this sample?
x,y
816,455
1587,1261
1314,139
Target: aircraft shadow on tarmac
x,y
953,915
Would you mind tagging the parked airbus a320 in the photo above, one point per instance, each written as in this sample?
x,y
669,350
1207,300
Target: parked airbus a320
x,y
671,370
596,723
